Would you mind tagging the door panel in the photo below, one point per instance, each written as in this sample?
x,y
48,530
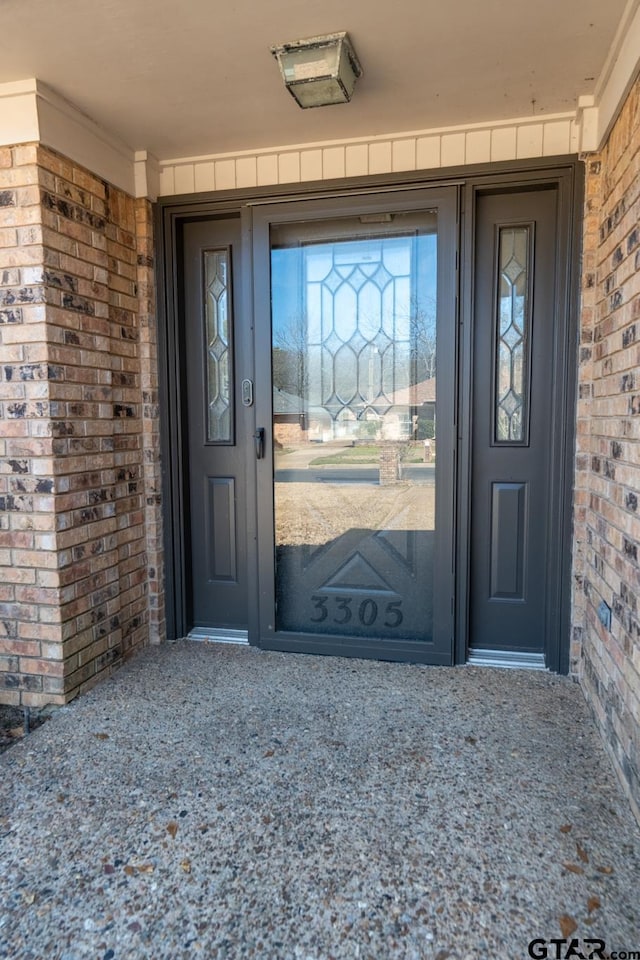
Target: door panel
x,y
358,319
509,523
220,529
215,429
512,416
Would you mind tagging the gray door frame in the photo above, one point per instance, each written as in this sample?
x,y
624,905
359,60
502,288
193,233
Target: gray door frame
x,y
170,213
444,200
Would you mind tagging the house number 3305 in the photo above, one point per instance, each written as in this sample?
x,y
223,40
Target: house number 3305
x,y
343,610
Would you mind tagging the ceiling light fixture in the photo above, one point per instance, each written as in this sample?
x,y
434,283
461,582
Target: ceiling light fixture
x,y
319,71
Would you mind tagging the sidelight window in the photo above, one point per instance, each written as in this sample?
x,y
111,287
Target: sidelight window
x,y
218,356
513,334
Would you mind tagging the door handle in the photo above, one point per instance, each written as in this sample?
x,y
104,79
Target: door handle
x,y
259,441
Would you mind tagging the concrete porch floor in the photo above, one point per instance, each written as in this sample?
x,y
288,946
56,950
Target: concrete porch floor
x,y
220,802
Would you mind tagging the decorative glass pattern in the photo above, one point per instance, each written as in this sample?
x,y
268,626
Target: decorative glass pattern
x,y
358,298
513,325
218,345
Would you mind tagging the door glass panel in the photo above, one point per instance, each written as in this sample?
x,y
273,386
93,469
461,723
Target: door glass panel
x,y
513,334
354,425
217,345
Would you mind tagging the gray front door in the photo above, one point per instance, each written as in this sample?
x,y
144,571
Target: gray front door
x,y
321,498
216,427
514,395
355,306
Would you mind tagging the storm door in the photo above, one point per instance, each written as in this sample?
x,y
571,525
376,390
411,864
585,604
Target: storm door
x,y
355,316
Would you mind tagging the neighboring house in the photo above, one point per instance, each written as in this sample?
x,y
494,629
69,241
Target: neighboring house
x,y
152,214
290,418
414,410
295,421
399,415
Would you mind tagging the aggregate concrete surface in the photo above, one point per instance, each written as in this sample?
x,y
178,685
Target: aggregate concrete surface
x,y
218,801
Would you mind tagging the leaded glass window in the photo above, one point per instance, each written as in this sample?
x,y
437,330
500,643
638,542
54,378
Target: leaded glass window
x,y
513,331
217,301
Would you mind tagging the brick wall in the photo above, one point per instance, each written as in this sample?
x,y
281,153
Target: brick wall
x,y
607,489
80,554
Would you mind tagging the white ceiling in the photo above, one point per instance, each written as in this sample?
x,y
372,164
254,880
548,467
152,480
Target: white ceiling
x,y
195,78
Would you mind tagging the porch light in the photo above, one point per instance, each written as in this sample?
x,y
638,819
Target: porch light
x,y
319,71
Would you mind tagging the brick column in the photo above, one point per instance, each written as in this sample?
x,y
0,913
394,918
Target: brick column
x,y
390,461
79,447
31,628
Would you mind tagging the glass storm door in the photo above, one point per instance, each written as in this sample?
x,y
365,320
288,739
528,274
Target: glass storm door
x,y
355,310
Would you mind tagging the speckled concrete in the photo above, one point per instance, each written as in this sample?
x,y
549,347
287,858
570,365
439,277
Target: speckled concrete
x,y
220,802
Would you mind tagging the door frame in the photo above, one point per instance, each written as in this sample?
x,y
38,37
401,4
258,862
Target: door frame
x,y
567,174
444,199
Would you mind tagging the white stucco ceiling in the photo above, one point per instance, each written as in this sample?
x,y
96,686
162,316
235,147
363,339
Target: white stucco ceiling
x,y
195,78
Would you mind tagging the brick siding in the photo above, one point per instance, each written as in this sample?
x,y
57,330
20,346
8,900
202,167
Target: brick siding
x,y
80,528
607,487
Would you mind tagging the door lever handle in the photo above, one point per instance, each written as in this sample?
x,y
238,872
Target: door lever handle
x,y
259,441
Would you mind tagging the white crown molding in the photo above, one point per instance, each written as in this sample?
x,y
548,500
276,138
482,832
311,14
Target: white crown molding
x,y
520,138
31,112
64,128
619,72
378,138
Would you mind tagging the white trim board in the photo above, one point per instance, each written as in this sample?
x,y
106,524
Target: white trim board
x,y
524,138
31,112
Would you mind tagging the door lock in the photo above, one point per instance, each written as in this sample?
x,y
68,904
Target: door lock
x,y
247,393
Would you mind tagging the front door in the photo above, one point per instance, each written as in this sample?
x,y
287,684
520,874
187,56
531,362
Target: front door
x,y
356,309
516,324
217,430
321,499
